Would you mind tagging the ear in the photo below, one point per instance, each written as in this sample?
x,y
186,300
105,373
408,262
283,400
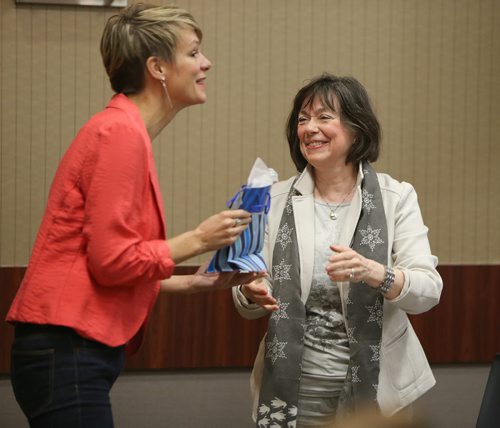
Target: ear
x,y
156,67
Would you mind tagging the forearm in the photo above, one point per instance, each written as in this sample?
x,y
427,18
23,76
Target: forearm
x,y
416,288
177,284
422,290
185,246
202,281
377,275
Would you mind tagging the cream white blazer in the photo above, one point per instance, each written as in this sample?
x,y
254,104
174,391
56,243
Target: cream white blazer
x,y
404,371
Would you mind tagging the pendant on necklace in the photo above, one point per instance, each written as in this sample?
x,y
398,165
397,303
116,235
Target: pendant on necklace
x,y
333,216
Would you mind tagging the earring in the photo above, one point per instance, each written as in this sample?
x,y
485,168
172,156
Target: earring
x,y
164,84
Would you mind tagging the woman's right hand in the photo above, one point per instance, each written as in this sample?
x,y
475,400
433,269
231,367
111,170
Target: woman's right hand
x,y
222,229
258,292
217,231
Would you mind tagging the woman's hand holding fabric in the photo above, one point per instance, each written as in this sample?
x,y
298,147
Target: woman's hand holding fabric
x,y
203,281
217,231
258,292
222,229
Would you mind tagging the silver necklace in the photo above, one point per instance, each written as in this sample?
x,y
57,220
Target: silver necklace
x,y
333,210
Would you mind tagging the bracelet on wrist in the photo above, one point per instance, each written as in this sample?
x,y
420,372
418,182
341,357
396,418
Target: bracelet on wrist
x,y
388,282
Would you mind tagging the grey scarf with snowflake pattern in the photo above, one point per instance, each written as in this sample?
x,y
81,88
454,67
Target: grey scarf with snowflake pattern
x,y
285,336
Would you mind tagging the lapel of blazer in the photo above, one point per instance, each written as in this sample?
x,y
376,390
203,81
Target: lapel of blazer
x,y
122,102
153,177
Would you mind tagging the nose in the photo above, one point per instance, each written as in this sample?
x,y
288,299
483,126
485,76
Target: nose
x,y
311,126
205,64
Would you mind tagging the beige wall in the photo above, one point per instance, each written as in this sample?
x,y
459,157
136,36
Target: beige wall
x,y
432,68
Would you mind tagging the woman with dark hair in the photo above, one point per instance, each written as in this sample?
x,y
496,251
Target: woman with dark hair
x,y
101,255
349,259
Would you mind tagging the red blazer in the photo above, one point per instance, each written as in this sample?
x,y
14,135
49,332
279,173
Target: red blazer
x,y
101,247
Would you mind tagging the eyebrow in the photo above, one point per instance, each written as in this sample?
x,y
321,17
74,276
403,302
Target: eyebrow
x,y
319,111
327,109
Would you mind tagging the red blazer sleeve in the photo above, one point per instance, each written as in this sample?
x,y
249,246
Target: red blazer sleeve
x,y
118,213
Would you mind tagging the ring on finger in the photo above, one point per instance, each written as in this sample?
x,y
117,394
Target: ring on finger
x,y
237,222
351,275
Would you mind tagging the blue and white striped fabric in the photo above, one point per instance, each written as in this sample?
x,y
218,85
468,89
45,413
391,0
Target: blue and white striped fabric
x,y
246,253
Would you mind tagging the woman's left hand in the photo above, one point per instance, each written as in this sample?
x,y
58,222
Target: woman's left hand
x,y
348,265
203,281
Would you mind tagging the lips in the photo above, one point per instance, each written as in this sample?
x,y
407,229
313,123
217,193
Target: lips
x,y
315,144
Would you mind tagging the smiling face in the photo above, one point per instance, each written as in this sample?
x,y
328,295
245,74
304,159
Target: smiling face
x,y
324,139
186,76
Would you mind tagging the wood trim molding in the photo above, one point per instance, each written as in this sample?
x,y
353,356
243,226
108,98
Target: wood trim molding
x,y
205,331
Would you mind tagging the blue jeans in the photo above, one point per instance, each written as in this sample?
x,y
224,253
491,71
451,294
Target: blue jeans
x,y
61,379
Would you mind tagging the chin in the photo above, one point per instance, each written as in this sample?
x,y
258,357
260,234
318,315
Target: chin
x,y
200,99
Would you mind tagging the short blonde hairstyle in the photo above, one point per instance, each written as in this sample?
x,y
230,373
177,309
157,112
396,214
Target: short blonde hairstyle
x,y
137,33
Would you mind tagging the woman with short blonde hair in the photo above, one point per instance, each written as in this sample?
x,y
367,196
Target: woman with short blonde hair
x,y
136,34
101,255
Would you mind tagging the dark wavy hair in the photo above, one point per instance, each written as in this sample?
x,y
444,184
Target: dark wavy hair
x,y
349,99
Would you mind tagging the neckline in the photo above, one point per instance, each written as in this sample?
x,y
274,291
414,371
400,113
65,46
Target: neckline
x,y
329,206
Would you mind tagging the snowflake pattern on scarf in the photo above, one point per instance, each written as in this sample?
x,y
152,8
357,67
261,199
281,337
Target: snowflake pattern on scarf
x,y
281,313
367,199
376,352
284,236
275,349
376,313
281,271
355,377
371,237
350,334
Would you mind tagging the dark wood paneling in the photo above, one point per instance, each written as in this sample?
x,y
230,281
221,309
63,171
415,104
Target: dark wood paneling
x,y
204,330
465,326
184,331
10,278
198,331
